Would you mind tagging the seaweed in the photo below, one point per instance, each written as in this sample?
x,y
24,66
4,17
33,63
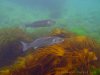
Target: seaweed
x,y
10,47
74,56
56,60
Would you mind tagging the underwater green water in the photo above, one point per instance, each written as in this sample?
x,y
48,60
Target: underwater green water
x,y
79,16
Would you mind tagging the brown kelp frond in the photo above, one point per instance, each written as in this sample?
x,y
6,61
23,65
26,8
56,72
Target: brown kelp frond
x,y
8,35
79,43
74,56
12,34
62,33
10,46
56,60
52,64
74,64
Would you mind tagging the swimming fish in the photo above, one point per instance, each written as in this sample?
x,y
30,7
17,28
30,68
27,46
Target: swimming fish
x,y
41,42
41,23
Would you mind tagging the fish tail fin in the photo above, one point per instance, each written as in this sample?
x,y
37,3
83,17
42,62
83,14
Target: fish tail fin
x,y
24,46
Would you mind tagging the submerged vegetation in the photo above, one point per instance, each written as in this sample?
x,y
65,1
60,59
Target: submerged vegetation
x,y
10,46
75,56
78,54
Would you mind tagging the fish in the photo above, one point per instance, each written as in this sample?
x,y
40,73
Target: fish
x,y
41,42
41,23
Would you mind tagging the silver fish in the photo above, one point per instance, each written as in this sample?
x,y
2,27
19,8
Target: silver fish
x,y
41,23
41,42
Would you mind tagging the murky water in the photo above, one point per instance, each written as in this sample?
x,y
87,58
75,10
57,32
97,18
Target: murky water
x,y
79,16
